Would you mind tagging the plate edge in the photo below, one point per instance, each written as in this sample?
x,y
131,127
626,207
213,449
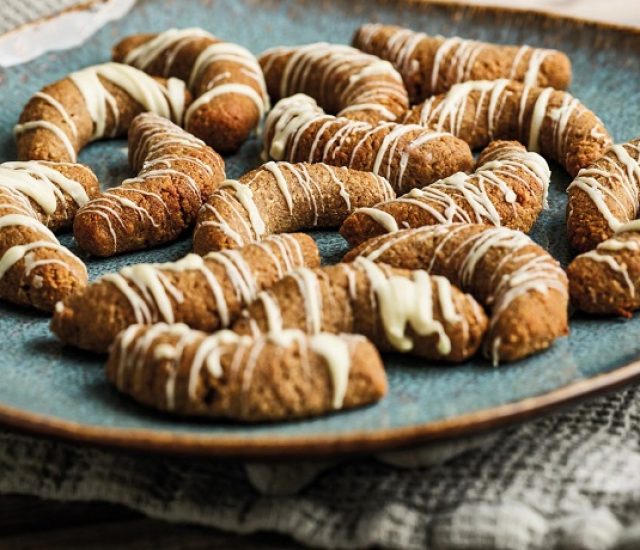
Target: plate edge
x,y
358,442
321,446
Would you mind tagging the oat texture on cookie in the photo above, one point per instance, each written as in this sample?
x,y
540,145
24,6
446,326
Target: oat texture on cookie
x,y
225,80
605,196
280,376
431,65
521,284
93,103
176,174
206,293
407,155
507,188
602,221
547,121
36,199
280,197
399,310
343,80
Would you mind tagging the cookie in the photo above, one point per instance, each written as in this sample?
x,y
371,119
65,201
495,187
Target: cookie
x,y
276,377
508,188
606,280
397,309
176,174
205,293
91,104
37,198
550,122
225,79
407,155
343,80
280,197
524,288
431,65
604,196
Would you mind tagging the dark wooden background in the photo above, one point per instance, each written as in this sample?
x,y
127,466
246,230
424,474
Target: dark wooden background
x,y
30,523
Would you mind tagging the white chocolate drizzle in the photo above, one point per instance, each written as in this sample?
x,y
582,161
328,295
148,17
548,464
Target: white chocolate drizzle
x,y
419,305
42,183
455,59
153,154
613,186
153,297
166,101
473,198
238,74
486,101
615,253
292,117
146,53
358,81
404,303
30,192
304,189
225,354
529,271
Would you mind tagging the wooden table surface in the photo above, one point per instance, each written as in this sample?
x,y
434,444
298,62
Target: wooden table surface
x,y
31,523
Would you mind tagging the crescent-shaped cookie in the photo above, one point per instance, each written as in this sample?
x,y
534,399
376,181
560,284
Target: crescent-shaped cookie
x,y
94,103
37,198
431,65
508,188
407,155
397,309
276,377
176,174
518,281
550,122
207,293
225,79
343,80
280,197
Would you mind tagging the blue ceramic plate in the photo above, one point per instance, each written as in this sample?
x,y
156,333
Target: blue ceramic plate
x,y
47,388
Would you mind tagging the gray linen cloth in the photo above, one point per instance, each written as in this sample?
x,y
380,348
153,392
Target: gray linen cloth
x,y
570,480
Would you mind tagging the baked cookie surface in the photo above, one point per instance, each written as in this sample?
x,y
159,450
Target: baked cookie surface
x,y
407,155
75,380
176,172
343,80
550,122
91,104
432,64
604,196
36,199
225,79
207,293
281,376
281,197
508,187
398,310
521,283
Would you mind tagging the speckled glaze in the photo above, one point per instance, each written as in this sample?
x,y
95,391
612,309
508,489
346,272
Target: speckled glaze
x,y
61,391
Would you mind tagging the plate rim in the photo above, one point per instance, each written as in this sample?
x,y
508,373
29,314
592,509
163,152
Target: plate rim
x,y
359,442
353,443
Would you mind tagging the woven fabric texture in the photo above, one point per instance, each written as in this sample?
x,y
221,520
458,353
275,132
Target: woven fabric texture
x,y
571,480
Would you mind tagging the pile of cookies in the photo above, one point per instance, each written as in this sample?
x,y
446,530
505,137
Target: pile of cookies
x,y
374,139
